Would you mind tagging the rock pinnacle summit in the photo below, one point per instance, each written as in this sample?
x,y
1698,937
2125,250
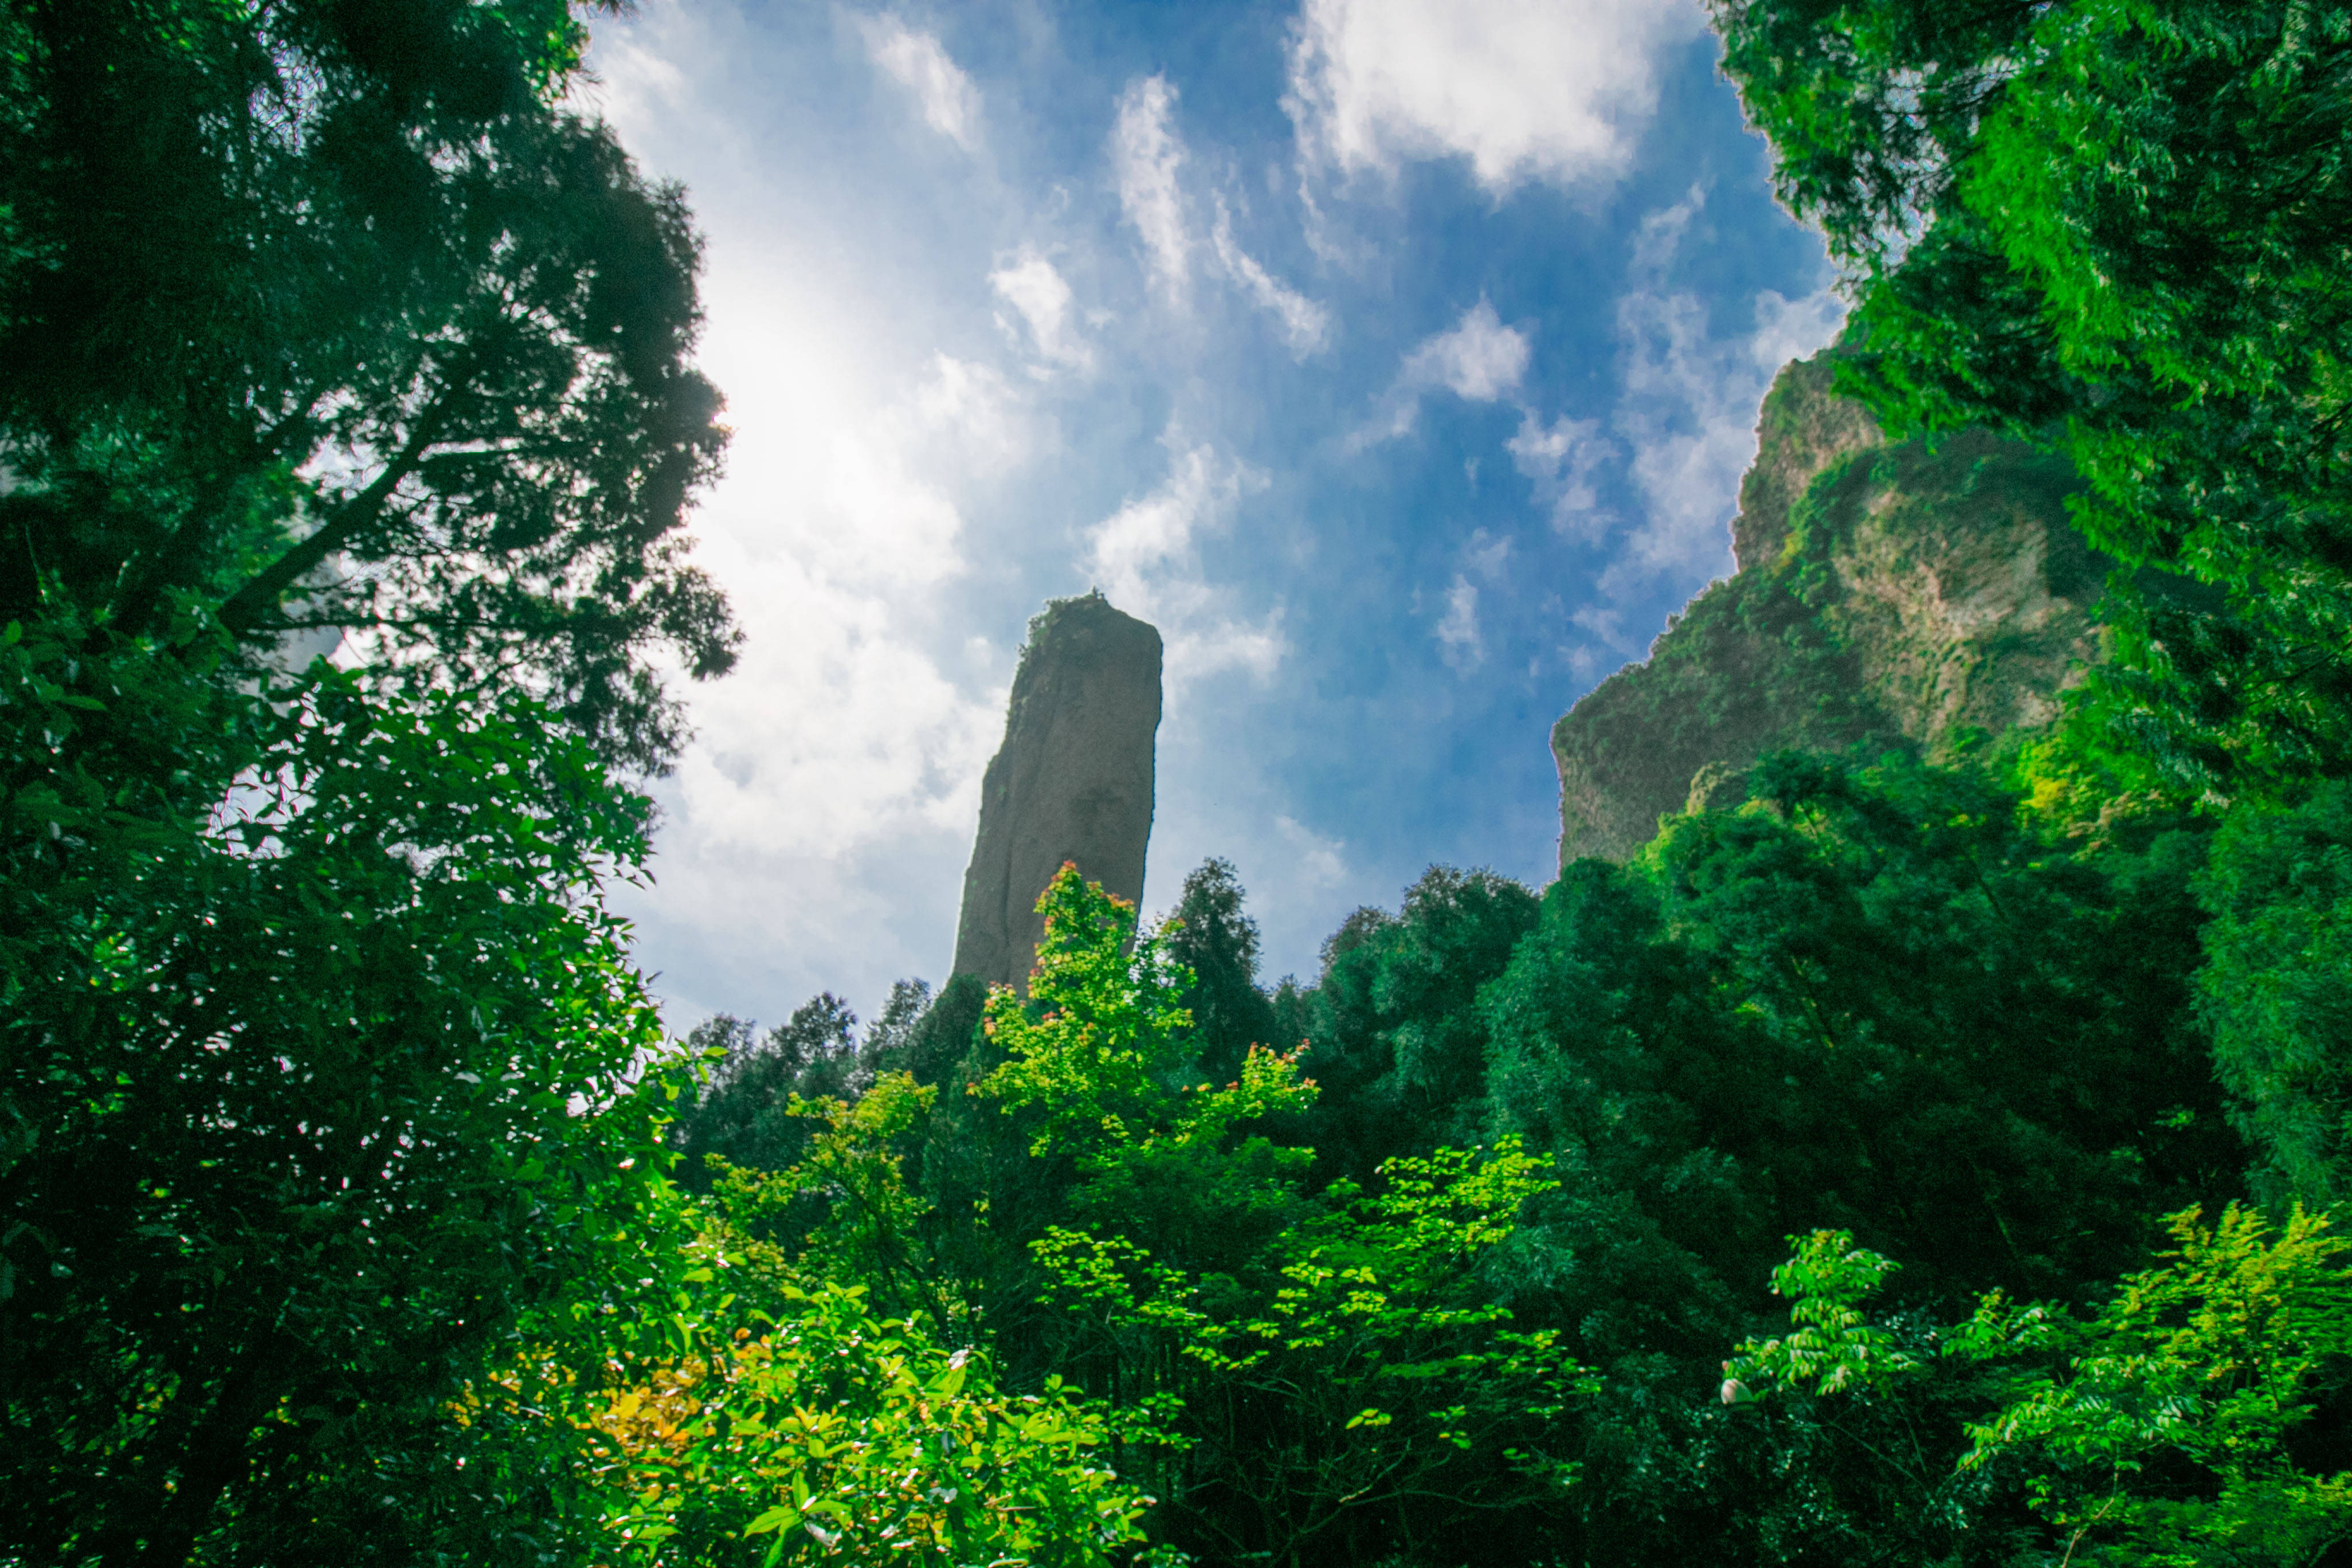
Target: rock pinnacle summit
x,y
1073,780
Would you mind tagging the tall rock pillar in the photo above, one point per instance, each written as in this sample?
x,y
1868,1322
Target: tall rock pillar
x,y
1072,782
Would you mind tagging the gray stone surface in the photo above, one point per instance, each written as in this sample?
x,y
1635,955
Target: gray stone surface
x,y
1072,782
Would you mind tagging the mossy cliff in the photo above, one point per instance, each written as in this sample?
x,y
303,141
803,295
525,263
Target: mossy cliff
x,y
1887,593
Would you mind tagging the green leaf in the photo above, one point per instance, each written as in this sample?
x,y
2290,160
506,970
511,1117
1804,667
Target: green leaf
x,y
781,1517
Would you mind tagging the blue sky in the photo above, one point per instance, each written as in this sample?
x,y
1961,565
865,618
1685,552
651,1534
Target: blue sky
x,y
1399,360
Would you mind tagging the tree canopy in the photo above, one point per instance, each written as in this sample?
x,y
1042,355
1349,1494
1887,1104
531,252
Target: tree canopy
x,y
329,317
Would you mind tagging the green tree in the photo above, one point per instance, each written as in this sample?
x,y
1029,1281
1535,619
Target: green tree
x,y
326,316
1396,1042
323,318
744,1109
2160,1428
2275,992
892,1035
314,1099
773,1418
2164,1432
937,1036
1214,939
1885,999
1103,1061
2002,1058
1310,1378
1876,998
844,1210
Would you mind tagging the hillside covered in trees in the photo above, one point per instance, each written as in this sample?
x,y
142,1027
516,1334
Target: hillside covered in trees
x,y
1932,1150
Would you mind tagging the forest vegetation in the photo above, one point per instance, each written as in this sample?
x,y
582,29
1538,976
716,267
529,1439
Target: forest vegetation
x,y
1909,1162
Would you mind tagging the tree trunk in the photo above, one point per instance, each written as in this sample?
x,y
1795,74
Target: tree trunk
x,y
216,1453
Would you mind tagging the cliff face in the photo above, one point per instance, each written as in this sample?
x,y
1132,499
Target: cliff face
x,y
1072,782
1884,595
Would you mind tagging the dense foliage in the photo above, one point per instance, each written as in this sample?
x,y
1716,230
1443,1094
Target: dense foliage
x,y
2118,227
288,1094
321,1084
1887,1163
321,314
1452,1273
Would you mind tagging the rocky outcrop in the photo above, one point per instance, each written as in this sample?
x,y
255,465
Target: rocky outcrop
x,y
1887,595
1804,427
1072,782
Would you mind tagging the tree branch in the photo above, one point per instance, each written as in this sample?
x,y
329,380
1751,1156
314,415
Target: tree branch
x,y
243,610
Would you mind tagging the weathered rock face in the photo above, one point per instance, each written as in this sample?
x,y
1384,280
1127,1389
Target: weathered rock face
x,y
1886,594
1072,782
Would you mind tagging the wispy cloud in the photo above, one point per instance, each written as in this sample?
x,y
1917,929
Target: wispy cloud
x,y
1461,643
1683,427
1545,89
1146,557
1305,325
1487,554
917,61
1605,646
1479,360
1032,287
1321,862
1458,642
1146,154
1562,458
1688,409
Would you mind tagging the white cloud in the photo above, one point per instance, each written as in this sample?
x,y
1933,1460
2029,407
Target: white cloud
x,y
1488,555
1790,329
837,769
966,417
1689,406
1305,325
836,730
874,506
1032,287
1479,361
833,774
1548,89
918,62
1457,633
834,733
1146,558
814,831
1158,528
1560,458
1146,154
1319,862
1690,417
632,83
